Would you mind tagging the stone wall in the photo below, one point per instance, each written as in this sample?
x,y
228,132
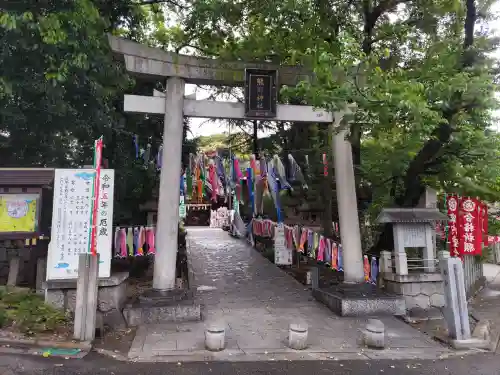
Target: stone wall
x,y
8,250
111,296
424,290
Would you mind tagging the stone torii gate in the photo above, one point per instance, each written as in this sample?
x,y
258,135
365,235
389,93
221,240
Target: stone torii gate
x,y
155,64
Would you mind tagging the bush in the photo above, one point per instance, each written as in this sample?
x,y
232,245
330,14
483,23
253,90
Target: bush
x,y
27,312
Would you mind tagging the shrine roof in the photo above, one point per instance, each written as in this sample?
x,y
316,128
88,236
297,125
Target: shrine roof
x,y
26,176
410,215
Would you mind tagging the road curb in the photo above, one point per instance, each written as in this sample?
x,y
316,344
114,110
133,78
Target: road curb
x,y
40,347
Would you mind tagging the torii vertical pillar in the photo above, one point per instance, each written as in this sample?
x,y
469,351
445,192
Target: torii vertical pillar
x,y
352,255
167,226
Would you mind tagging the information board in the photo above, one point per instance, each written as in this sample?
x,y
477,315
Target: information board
x,y
71,218
19,213
282,255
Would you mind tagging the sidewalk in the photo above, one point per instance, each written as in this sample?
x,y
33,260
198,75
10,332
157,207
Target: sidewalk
x,y
257,302
486,305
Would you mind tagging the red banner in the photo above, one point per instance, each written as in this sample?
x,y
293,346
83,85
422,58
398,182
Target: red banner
x,y
484,224
470,227
453,239
97,180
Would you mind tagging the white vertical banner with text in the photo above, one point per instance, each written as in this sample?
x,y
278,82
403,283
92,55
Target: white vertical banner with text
x,y
71,219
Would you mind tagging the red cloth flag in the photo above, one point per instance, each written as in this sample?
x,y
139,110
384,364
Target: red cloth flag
x,y
470,229
484,212
452,203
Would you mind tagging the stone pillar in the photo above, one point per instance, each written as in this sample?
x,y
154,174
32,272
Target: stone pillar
x,y
386,262
168,201
400,258
14,270
429,253
347,204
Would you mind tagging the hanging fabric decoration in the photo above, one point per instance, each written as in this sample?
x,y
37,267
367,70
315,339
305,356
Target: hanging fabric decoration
x,y
253,165
335,257
189,182
484,222
136,240
159,157
366,268
116,241
328,251
274,189
182,185
213,180
123,243
280,173
315,245
374,271
250,187
199,185
220,171
303,239
150,239
130,242
321,249
340,258
147,154
136,145
140,243
325,165
296,171
263,173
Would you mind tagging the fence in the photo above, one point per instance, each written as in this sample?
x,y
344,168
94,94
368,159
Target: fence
x,y
473,274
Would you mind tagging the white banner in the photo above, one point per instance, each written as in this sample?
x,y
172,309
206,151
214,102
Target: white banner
x,y
72,212
282,255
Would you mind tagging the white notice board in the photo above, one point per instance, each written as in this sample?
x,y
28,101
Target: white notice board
x,y
282,255
72,210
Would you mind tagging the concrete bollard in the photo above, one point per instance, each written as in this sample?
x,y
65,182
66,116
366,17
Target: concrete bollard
x,y
308,278
215,337
297,336
374,334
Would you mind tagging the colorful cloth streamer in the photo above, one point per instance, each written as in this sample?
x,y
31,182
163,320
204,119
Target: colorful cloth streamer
x,y
250,188
181,185
335,257
147,153
150,240
321,249
130,242
135,139
303,239
374,271
212,175
123,243
159,157
340,259
328,251
366,268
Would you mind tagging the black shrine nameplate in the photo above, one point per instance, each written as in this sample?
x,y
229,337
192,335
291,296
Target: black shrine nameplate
x,y
260,93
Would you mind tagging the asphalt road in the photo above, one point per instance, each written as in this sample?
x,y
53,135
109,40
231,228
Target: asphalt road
x,y
93,364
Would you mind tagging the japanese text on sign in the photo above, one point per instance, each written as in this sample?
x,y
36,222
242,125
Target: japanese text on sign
x,y
71,229
260,93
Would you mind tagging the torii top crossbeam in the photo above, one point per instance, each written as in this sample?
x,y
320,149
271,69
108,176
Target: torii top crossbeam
x,y
155,64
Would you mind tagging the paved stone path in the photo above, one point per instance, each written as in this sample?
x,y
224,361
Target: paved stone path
x,y
257,301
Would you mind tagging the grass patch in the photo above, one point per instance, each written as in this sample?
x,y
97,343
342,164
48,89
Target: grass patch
x,y
26,312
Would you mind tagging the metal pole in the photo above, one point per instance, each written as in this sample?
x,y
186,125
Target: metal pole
x,y
230,193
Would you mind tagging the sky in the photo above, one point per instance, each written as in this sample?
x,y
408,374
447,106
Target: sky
x,y
205,127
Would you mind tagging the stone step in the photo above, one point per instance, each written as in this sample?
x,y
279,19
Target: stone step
x,y
360,300
183,311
